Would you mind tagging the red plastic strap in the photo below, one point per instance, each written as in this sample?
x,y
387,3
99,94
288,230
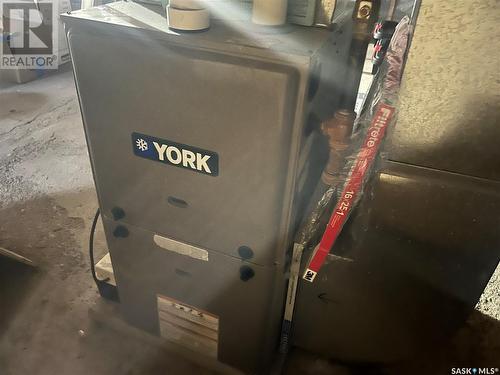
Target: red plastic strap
x,y
362,165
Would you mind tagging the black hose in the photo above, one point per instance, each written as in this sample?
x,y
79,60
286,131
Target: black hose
x,y
91,249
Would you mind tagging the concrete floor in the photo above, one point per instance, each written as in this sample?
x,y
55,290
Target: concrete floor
x,y
51,316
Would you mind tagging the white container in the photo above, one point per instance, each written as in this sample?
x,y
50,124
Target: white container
x,y
188,19
269,12
186,4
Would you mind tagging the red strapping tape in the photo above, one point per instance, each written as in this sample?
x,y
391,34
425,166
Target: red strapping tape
x,y
353,186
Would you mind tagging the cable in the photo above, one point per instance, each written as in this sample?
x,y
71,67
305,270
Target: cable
x,y
91,249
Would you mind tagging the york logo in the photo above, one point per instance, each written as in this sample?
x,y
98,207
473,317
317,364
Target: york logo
x,y
176,154
30,37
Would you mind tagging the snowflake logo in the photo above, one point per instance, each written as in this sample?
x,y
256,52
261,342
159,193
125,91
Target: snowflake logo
x,y
141,144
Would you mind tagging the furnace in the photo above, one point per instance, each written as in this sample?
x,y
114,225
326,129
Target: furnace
x,y
203,147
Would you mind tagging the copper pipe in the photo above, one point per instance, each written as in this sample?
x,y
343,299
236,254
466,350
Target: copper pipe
x,y
338,130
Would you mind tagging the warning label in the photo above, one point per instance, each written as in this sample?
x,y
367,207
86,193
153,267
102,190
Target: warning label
x,y
188,326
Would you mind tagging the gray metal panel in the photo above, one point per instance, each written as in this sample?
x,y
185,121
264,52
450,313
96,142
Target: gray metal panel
x,y
200,99
423,245
164,85
249,311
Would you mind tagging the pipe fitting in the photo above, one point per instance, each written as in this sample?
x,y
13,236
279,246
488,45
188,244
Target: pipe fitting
x,y
339,131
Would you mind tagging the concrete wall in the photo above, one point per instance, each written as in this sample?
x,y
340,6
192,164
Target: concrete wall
x,y
450,97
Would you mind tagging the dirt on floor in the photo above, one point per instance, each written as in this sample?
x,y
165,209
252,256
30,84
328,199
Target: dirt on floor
x,y
47,202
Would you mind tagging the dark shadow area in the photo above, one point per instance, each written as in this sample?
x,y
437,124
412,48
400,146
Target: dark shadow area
x,y
16,280
475,345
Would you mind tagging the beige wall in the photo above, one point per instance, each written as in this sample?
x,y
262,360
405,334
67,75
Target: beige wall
x,y
451,85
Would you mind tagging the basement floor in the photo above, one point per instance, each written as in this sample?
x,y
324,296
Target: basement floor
x,y
52,320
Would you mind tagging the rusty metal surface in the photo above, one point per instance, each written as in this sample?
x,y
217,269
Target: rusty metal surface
x,y
338,130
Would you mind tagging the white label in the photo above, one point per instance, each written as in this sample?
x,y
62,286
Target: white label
x,y
181,248
188,326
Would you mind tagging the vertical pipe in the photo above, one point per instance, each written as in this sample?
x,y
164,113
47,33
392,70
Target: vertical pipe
x,y
339,131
